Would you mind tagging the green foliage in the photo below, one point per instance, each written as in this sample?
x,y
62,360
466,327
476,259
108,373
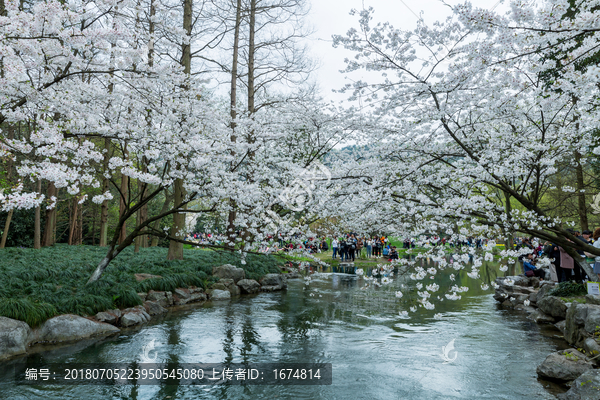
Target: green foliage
x,y
26,310
38,284
20,233
568,289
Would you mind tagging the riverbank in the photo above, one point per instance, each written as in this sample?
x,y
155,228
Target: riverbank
x,y
575,315
39,288
19,338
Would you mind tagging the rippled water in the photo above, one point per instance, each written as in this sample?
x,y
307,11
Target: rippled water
x,y
375,353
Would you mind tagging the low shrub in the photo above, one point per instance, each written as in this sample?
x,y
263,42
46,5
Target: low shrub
x,y
38,284
568,289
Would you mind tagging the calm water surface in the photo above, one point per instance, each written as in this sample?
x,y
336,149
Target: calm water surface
x,y
375,353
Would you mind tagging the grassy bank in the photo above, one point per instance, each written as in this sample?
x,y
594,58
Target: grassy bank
x,y
38,284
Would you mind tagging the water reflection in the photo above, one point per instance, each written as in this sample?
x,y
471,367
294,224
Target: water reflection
x,y
375,353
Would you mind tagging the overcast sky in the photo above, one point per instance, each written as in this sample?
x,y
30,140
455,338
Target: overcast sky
x,y
329,17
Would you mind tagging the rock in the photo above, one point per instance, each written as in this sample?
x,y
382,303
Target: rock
x,y
220,295
545,287
520,298
70,328
229,271
540,318
575,320
165,299
13,337
583,320
564,365
553,306
592,299
561,325
507,303
592,349
134,316
190,295
143,296
502,293
535,281
529,310
533,297
218,286
153,308
292,275
249,286
109,316
230,286
585,387
143,277
272,282
234,290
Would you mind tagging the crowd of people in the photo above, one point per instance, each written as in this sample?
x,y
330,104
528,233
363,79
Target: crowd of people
x,y
351,245
562,267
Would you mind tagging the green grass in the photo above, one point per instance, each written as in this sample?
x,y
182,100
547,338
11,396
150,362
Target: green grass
x,y
38,284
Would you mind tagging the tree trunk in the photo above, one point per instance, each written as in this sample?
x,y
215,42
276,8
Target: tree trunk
x,y
580,186
509,244
176,248
73,220
110,255
11,135
37,224
233,109
123,205
6,228
104,207
156,224
49,227
251,51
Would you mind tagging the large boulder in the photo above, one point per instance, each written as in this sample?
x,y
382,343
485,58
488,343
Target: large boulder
x,y
553,306
272,282
545,287
13,337
583,320
70,328
585,387
249,286
540,318
565,365
191,295
153,308
109,316
134,316
220,295
165,299
228,271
